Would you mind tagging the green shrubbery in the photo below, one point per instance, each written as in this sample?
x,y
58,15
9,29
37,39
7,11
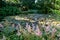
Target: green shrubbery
x,y
9,10
43,6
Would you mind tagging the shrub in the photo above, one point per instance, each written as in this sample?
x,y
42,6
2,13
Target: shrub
x,y
9,10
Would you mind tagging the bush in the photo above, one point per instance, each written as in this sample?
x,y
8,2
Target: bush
x,y
9,10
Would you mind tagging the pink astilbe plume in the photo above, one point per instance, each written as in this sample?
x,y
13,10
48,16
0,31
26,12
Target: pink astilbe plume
x,y
37,31
54,31
33,27
47,28
18,27
1,25
28,27
18,33
13,25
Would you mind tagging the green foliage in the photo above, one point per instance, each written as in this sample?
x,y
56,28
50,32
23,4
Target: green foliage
x,y
14,37
28,3
45,5
9,10
8,31
57,7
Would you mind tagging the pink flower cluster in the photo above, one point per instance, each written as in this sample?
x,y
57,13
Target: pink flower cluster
x,y
36,29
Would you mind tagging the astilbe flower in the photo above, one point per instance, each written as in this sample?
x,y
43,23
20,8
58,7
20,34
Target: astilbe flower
x,y
18,26
53,31
37,31
28,27
18,33
47,28
33,27
13,25
1,26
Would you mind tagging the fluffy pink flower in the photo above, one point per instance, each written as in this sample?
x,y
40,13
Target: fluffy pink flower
x,y
33,27
13,25
18,33
53,30
38,32
28,27
47,29
1,25
18,26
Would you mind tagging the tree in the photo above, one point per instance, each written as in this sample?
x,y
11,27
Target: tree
x,y
45,5
57,7
0,3
28,3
